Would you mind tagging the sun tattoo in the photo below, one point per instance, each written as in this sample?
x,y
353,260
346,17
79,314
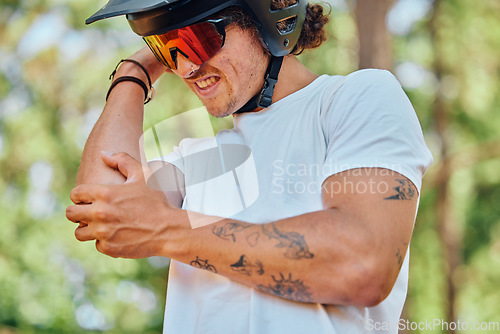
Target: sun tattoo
x,y
287,288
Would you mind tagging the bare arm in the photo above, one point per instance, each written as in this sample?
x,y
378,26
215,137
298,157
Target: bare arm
x,y
350,253
120,125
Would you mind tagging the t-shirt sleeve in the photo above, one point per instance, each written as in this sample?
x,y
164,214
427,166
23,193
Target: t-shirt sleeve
x,y
370,122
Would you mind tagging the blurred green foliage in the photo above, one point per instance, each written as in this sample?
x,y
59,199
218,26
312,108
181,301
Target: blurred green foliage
x,y
53,78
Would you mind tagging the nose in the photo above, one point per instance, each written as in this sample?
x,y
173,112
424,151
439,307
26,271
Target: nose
x,y
185,67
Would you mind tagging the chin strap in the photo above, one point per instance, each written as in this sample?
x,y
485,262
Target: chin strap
x,y
265,98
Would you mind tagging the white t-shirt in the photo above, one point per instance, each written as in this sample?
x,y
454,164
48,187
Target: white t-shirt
x,y
270,166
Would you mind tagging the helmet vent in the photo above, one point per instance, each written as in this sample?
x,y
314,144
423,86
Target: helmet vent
x,y
286,26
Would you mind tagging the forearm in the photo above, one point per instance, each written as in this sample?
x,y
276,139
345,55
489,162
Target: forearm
x,y
120,126
118,129
294,258
350,253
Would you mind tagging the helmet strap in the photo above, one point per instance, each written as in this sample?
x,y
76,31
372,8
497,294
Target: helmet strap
x,y
265,98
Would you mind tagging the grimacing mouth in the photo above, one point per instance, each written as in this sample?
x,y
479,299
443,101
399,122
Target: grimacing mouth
x,y
205,83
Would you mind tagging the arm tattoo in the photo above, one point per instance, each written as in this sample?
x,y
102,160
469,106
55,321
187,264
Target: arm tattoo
x,y
228,230
253,238
287,288
399,257
203,264
295,244
245,267
404,191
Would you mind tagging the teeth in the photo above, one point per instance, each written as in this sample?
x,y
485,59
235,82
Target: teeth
x,y
205,83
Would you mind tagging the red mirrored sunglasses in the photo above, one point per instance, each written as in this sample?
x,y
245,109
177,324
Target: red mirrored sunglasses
x,y
198,42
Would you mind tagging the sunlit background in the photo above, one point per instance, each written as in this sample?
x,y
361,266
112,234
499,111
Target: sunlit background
x,y
53,79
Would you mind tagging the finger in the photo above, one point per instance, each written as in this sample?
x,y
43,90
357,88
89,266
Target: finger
x,y
90,193
104,248
84,233
82,194
127,165
79,214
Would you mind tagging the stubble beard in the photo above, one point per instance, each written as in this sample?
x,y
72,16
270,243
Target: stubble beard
x,y
222,111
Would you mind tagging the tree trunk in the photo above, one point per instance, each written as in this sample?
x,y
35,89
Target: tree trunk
x,y
375,47
449,232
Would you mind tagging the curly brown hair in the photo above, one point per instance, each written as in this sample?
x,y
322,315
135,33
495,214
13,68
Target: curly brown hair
x,y
312,34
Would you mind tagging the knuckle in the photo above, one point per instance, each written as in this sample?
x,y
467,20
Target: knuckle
x,y
101,215
74,193
106,248
102,246
104,194
102,233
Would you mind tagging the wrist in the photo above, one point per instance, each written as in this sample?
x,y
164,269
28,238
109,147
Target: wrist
x,y
117,78
179,234
153,67
132,70
146,58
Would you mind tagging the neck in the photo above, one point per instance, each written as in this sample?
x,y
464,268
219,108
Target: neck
x,y
293,77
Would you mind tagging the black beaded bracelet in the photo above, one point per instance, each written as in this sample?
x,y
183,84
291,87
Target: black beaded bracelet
x,y
147,92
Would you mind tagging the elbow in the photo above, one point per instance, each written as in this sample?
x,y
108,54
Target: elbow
x,y
373,285
374,295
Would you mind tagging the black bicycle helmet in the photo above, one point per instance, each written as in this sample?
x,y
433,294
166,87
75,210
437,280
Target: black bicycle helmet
x,y
153,17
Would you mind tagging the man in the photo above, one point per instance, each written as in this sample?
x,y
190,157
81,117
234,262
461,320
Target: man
x,y
318,244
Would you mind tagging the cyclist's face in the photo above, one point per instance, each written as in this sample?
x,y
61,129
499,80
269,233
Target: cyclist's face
x,y
228,80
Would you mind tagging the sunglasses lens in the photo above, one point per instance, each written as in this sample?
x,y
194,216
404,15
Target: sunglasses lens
x,y
198,43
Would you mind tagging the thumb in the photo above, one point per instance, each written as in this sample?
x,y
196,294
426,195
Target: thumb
x,y
126,164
